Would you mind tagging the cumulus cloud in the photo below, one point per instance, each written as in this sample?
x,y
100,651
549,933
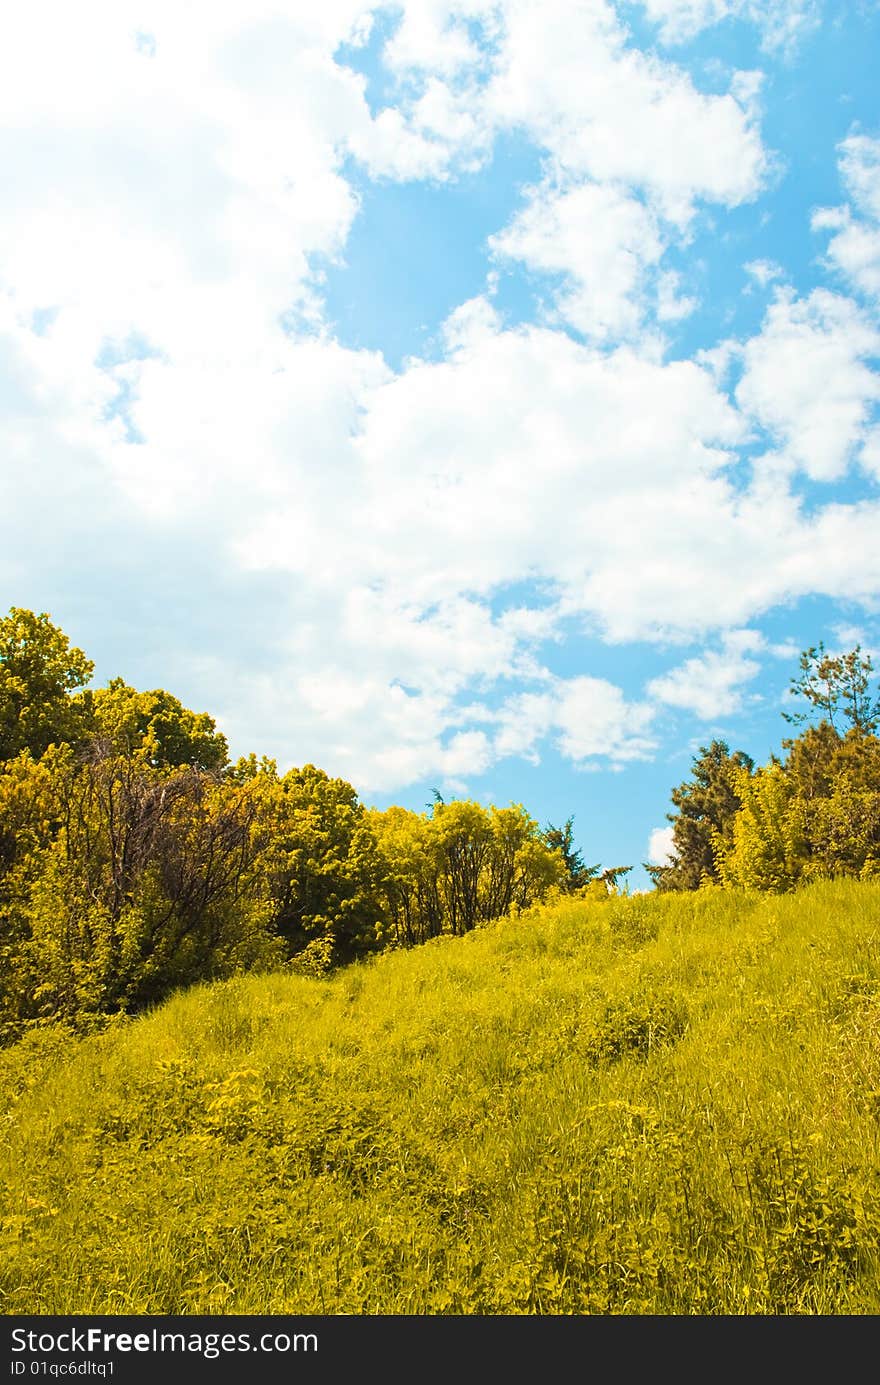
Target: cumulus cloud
x,y
361,565
608,112
860,169
587,719
781,22
710,685
601,240
806,379
661,847
854,249
764,272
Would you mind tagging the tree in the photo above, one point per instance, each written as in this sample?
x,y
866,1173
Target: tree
x,y
839,687
521,867
819,756
766,846
460,864
322,867
562,839
39,669
611,877
126,881
156,723
27,819
463,832
409,851
707,806
488,861
843,830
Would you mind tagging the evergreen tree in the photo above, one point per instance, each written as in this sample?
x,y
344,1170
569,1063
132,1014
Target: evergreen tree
x,y
707,805
561,839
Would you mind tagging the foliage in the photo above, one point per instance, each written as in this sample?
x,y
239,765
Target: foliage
x,y
461,866
578,873
39,668
155,723
321,866
815,814
707,807
409,851
490,861
839,687
134,857
819,758
767,849
128,881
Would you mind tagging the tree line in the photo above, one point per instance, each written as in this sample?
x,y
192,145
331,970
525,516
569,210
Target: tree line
x,y
812,813
136,857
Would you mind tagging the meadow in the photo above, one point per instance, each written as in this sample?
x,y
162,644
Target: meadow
x,y
654,1104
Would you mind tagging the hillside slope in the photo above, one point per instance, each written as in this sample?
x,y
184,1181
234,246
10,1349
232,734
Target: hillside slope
x,y
663,1104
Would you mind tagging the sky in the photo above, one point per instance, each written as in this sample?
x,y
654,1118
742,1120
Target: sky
x,y
477,396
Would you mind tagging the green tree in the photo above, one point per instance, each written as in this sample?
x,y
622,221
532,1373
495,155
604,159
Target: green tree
x,y
39,669
561,839
126,881
489,860
460,864
767,846
819,756
838,687
409,849
611,877
322,867
521,866
835,781
707,805
843,831
27,822
156,723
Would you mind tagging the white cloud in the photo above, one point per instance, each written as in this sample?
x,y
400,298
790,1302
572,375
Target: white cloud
x,y
521,456
390,147
342,535
870,457
672,306
602,240
764,271
782,22
846,638
855,248
606,111
783,649
600,108
595,720
710,685
806,380
661,847
355,722
680,20
196,181
434,35
860,169
587,719
524,721
633,147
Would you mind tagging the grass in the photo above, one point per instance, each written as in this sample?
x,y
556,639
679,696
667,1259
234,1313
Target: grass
x,y
655,1105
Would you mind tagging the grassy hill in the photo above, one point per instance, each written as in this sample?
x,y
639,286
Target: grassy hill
x,y
658,1104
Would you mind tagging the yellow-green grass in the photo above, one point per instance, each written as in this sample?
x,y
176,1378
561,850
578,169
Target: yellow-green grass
x,y
659,1104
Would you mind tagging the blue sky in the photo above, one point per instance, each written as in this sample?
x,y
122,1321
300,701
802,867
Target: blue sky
x,y
456,394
